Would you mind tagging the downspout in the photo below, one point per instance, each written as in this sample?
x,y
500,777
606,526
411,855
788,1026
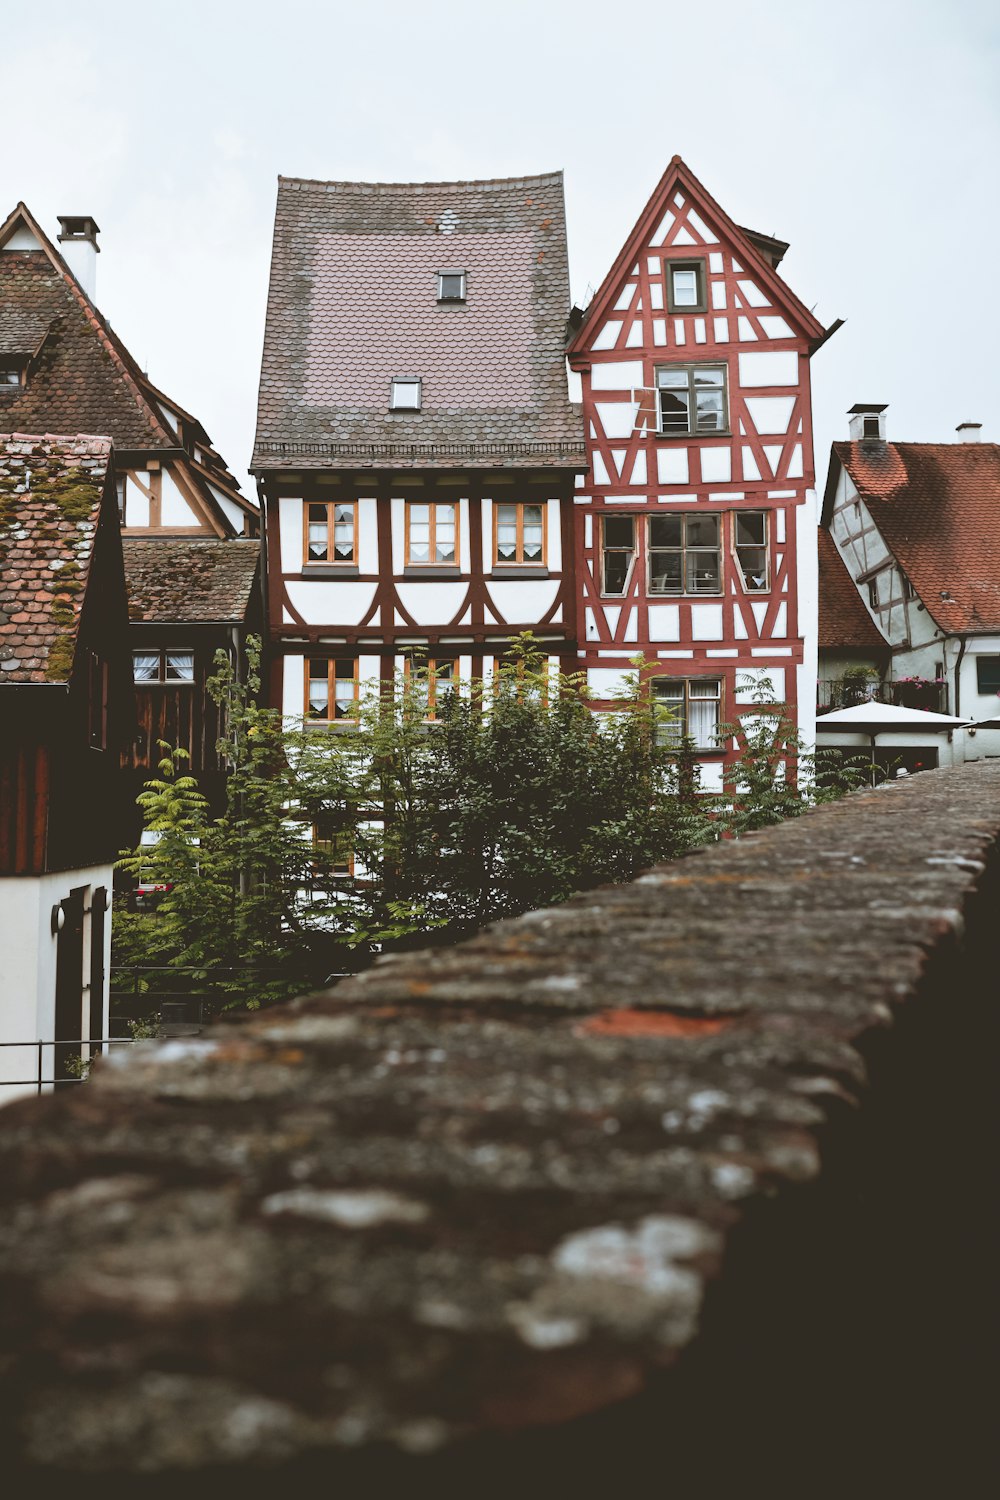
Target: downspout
x,y
962,643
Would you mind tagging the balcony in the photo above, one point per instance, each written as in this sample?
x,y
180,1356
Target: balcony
x,y
927,694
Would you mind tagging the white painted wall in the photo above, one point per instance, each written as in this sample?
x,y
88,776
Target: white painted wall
x,y
174,509
28,968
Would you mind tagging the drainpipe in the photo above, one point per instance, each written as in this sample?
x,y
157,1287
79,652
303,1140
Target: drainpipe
x,y
962,643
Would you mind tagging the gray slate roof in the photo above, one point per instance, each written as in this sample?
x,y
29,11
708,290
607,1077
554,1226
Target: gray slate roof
x,y
353,303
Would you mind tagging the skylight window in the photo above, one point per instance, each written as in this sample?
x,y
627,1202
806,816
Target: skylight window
x,y
451,286
406,393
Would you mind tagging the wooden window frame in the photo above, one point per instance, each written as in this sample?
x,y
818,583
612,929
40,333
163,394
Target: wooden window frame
x,y
634,517
700,269
738,547
693,432
331,688
520,561
685,551
349,864
162,680
685,719
330,561
431,562
430,666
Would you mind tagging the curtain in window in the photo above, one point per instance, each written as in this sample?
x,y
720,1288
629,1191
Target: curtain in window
x,y
180,666
145,666
703,720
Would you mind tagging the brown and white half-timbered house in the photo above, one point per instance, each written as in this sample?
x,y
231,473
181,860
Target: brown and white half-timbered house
x,y
696,520
66,712
64,369
416,447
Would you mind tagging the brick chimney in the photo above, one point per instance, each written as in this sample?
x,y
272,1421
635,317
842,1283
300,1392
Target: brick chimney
x,y
867,423
78,241
969,432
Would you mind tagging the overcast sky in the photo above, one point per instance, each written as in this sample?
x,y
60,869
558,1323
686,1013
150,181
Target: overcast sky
x,y
867,133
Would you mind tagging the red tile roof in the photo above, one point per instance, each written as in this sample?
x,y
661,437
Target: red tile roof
x,y
844,622
51,489
937,506
353,303
81,377
199,579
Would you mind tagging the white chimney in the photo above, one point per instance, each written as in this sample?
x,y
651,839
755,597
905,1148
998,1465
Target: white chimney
x,y
867,423
969,432
78,239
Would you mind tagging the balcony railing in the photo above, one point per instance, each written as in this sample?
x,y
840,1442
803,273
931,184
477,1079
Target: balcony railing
x,y
919,693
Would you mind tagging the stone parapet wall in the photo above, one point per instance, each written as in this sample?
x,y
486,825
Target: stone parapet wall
x,y
573,1191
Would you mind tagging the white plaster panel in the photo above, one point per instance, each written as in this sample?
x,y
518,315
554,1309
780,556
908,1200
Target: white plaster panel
x,y
606,682
23,239
600,469
672,465
753,294
588,531
523,599
608,336
680,337
739,625
773,452
700,227
287,618
369,669
659,332
779,525
398,513
718,295
634,338
625,297
617,417
663,228
759,607
710,775
664,622
232,512
770,413
747,334
655,295
721,327
638,475
706,622
750,681
136,503
769,367
174,509
293,686
795,463
776,328
684,237
368,535
631,625
716,465
612,614
590,624
653,265
322,601
290,534
750,469
699,331
433,602
616,375
464,537
715,263
780,630
554,536
487,535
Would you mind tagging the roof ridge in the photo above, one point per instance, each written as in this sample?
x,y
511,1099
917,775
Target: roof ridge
x,y
458,182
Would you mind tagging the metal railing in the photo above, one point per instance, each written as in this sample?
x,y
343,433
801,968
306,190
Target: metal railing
x,y
61,1055
835,692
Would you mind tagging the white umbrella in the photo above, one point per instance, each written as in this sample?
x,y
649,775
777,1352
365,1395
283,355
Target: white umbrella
x,y
875,718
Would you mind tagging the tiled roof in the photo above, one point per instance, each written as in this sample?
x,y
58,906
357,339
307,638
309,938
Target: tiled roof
x,y
83,378
189,578
353,303
843,620
937,506
50,500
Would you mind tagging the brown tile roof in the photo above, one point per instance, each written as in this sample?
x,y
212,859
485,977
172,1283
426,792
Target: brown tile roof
x,y
189,578
51,490
353,303
844,621
937,506
82,379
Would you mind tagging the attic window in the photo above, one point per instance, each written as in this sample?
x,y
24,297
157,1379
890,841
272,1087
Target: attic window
x,y
451,286
11,371
406,393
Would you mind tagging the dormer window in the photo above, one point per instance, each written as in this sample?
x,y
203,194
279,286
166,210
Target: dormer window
x,y
11,371
406,393
451,286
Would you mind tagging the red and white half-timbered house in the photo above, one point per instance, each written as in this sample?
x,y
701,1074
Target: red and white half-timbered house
x,y
696,523
416,446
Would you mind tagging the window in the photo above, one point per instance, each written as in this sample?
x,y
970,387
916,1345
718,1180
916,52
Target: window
x,y
686,286
332,689
406,393
163,666
11,372
451,286
874,591
431,533
619,553
909,592
750,542
694,704
987,673
684,556
336,846
440,679
331,531
518,532
692,399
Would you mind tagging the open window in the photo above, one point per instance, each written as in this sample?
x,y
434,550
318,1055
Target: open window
x,y
750,547
692,400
